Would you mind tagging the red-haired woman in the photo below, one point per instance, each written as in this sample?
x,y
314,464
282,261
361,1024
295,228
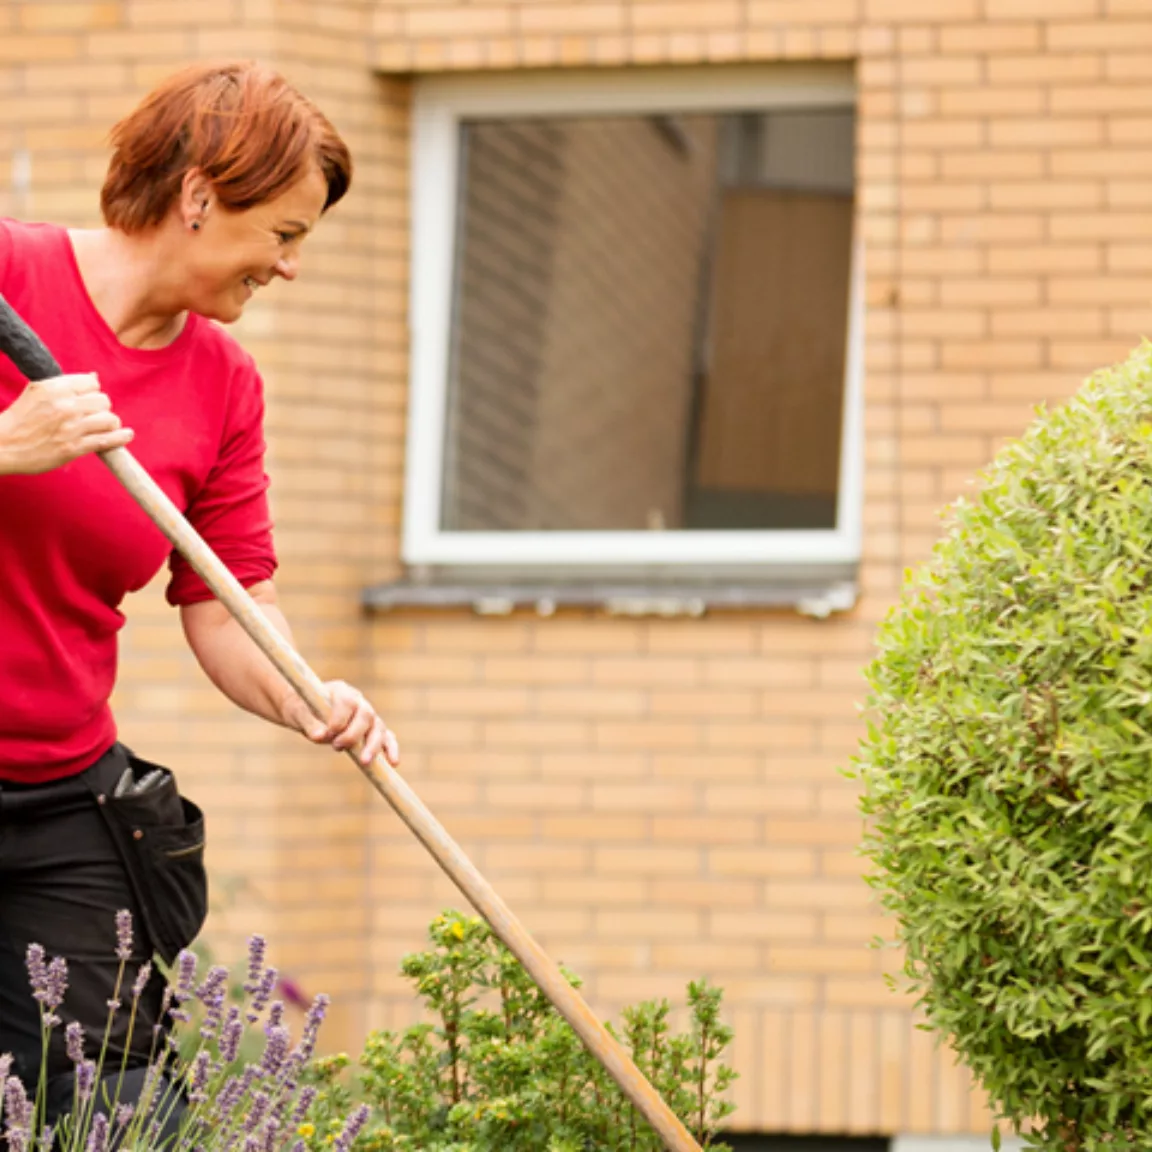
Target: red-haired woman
x,y
215,182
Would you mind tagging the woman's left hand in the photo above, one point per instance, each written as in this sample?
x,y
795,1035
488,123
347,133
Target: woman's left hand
x,y
352,720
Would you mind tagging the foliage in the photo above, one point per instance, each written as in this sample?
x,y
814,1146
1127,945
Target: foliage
x,y
499,1069
1007,772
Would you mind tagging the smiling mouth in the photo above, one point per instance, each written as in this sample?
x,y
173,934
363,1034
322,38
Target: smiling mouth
x,y
251,283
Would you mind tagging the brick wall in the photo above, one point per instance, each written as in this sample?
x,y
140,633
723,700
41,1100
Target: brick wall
x,y
657,800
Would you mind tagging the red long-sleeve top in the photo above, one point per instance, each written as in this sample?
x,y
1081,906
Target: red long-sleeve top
x,y
73,543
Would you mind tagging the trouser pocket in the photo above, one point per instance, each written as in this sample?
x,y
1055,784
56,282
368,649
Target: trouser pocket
x,y
160,837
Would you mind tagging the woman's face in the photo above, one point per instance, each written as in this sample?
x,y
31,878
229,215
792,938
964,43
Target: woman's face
x,y
234,254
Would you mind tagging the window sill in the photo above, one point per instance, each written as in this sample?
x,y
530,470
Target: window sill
x,y
811,597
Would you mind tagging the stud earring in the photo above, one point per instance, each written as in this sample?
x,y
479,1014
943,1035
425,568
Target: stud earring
x,y
195,225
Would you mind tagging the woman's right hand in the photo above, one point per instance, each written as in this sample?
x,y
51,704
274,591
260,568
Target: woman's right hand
x,y
53,422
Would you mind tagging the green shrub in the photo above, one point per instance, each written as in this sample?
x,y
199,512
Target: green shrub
x,y
500,1071
1008,772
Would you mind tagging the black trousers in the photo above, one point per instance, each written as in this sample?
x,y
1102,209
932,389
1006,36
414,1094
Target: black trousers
x,y
71,857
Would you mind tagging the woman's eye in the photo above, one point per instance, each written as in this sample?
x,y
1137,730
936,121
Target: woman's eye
x,y
285,237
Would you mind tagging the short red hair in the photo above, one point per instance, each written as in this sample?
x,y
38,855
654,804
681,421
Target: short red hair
x,y
242,124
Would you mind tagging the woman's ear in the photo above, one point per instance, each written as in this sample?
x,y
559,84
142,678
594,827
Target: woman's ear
x,y
195,199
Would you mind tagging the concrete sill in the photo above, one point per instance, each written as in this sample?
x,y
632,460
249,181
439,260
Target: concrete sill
x,y
627,599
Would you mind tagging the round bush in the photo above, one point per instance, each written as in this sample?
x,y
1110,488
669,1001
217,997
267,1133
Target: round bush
x,y
1007,772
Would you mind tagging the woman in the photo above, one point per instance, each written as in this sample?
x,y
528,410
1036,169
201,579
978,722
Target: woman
x,y
214,184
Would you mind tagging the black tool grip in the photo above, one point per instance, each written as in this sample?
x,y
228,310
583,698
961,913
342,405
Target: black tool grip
x,y
23,347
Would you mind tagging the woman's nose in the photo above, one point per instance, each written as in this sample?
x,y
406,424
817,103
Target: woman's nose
x,y
288,267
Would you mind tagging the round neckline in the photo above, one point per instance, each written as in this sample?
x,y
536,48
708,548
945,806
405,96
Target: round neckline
x,y
141,355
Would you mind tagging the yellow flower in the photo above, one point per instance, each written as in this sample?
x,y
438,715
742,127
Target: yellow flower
x,y
458,930
306,1130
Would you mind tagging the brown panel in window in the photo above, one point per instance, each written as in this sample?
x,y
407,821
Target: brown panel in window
x,y
772,401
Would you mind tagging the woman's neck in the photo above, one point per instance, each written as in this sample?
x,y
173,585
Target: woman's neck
x,y
125,278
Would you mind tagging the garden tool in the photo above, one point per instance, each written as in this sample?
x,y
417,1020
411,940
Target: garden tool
x,y
25,349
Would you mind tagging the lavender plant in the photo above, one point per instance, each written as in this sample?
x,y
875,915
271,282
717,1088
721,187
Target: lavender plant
x,y
196,1069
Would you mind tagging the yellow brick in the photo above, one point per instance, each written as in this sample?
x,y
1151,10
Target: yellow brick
x,y
593,891
709,894
1042,69
762,862
647,861
68,17
458,21
1103,97
682,15
790,12
169,13
990,39
611,827
1001,102
909,11
27,49
589,702
712,959
1080,36
933,72
699,829
571,17
642,924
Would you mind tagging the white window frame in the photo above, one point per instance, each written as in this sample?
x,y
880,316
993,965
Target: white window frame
x,y
441,104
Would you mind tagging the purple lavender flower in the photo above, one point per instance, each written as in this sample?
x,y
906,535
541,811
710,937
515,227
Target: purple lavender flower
x,y
351,1129
5,1067
275,1051
275,1017
74,1041
185,976
233,1092
47,1138
142,978
257,1111
304,1101
262,993
213,985
268,1140
302,1053
98,1134
85,1079
256,950
37,971
124,934
228,1097
230,1035
198,1078
212,1017
56,983
312,1024
17,1107
124,1114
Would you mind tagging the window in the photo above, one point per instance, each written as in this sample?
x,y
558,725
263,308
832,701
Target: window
x,y
636,324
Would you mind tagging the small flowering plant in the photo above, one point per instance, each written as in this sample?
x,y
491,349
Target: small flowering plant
x,y
496,1069
198,1092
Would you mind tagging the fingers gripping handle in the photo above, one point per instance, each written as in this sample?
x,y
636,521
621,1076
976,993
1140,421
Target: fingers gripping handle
x,y
23,347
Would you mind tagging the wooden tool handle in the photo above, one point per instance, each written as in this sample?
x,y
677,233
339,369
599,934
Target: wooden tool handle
x,y
25,349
